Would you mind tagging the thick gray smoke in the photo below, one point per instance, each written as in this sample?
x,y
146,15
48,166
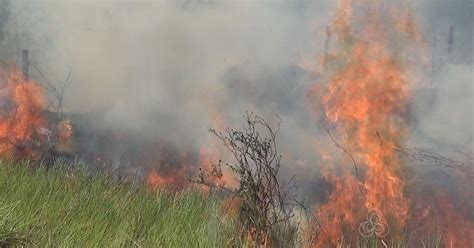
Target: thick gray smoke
x,y
159,70
158,67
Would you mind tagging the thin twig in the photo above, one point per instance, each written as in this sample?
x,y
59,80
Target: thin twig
x,y
348,154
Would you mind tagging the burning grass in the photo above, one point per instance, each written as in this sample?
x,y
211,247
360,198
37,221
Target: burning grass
x,y
362,99
69,207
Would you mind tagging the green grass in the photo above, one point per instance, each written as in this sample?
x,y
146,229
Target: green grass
x,y
68,207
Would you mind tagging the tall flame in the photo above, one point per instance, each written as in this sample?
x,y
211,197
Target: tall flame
x,y
364,102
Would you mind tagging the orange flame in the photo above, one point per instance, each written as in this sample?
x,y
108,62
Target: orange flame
x,y
64,130
175,179
364,103
209,156
168,174
436,214
21,121
211,153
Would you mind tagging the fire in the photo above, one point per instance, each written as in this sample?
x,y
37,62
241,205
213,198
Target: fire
x,y
174,179
176,173
364,103
435,214
64,131
211,153
22,124
168,170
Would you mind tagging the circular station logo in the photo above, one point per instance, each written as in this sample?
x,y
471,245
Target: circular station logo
x,y
374,225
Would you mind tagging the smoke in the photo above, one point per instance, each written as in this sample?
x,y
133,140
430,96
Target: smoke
x,y
443,108
152,66
148,73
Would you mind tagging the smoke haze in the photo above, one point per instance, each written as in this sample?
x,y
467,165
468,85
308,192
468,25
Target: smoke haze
x,y
158,69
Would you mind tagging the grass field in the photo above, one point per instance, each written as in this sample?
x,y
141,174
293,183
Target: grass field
x,y
67,207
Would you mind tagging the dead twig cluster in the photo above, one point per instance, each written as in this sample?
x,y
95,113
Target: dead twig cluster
x,y
265,204
56,99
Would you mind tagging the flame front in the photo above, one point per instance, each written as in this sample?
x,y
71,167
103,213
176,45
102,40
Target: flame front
x,y
20,116
364,103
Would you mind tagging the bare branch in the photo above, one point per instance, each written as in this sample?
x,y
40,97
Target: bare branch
x,y
56,103
266,206
348,154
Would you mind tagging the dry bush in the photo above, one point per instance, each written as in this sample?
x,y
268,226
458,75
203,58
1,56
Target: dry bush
x,y
266,207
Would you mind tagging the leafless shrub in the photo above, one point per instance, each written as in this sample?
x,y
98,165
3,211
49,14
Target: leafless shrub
x,y
266,207
56,98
